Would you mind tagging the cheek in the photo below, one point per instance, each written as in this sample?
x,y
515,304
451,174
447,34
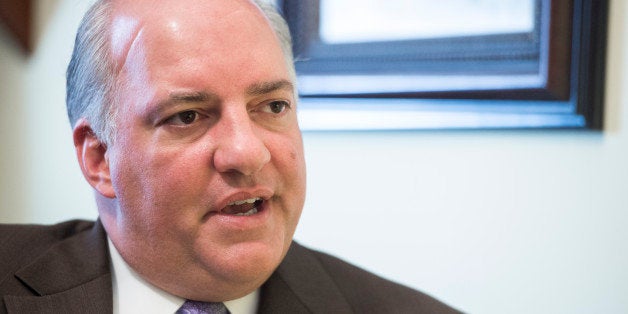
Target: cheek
x,y
150,178
290,163
157,191
174,176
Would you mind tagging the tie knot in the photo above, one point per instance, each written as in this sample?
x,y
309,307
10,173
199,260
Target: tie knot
x,y
198,307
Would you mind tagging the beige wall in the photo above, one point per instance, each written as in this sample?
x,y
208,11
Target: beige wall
x,y
40,180
12,148
491,222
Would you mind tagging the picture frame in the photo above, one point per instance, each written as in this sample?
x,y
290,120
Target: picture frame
x,y
567,91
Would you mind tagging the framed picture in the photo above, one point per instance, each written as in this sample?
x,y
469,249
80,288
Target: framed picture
x,y
420,64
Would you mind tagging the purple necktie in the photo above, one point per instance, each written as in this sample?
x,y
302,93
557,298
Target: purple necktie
x,y
197,307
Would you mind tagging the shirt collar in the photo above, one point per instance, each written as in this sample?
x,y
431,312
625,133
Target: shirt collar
x,y
133,294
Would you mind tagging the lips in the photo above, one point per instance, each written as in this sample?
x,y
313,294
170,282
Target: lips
x,y
245,207
243,202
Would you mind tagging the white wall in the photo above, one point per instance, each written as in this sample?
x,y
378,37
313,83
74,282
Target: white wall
x,y
490,222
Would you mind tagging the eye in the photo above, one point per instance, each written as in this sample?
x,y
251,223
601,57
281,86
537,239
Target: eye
x,y
278,106
183,118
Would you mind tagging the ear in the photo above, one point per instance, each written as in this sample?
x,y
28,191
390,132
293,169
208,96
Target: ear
x,y
92,158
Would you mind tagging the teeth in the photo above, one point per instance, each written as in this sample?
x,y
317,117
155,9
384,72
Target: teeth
x,y
249,201
253,211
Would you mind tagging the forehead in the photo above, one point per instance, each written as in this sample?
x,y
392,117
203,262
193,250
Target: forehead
x,y
191,43
160,11
187,26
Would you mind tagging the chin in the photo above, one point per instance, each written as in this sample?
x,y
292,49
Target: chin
x,y
244,266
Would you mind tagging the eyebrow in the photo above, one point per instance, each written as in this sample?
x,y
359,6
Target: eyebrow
x,y
190,97
269,87
253,90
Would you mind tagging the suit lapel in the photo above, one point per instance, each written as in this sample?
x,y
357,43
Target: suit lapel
x,y
91,297
72,277
301,285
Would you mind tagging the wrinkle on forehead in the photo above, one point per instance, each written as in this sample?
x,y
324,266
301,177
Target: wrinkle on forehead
x,y
124,32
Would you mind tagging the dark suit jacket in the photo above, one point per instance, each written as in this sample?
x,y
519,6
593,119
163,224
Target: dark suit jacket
x,y
65,268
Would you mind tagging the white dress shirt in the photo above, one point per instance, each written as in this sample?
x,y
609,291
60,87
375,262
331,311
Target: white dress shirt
x,y
132,294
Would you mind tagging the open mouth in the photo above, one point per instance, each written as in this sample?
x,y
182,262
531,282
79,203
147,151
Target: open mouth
x,y
246,207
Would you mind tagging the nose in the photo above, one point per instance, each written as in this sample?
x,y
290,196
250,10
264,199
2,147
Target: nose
x,y
241,148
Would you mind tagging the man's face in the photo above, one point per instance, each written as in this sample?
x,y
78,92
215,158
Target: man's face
x,y
207,163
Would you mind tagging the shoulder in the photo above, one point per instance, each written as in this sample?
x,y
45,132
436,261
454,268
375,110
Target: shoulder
x,y
41,234
20,244
368,293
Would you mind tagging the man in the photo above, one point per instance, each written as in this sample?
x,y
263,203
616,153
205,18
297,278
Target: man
x,y
184,123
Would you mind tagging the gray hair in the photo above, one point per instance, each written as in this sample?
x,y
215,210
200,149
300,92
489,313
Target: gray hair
x,y
91,73
90,76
